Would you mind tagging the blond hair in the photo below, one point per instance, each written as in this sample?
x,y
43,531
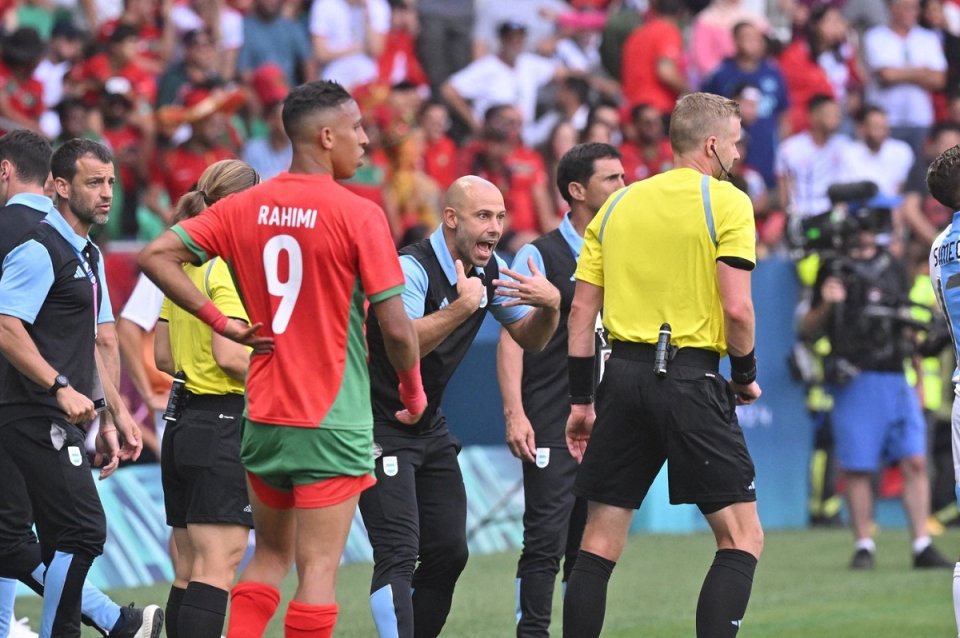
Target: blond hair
x,y
697,116
217,181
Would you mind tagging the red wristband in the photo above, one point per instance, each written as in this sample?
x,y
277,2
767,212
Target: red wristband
x,y
412,395
211,315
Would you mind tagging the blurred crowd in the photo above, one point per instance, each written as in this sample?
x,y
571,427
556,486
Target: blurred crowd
x,y
830,91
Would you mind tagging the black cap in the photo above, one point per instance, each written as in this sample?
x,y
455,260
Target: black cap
x,y
509,27
66,29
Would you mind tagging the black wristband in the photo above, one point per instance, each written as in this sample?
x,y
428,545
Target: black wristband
x,y
743,370
580,371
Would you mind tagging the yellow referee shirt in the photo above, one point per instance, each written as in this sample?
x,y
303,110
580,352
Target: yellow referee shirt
x,y
653,249
191,342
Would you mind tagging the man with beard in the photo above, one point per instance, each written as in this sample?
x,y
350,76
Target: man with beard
x,y
52,286
418,510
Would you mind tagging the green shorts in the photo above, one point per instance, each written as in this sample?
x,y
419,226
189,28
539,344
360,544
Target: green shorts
x,y
284,456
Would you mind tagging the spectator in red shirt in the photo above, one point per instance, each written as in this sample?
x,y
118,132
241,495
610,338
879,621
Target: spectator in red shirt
x,y
175,170
518,171
653,69
21,96
647,152
822,63
154,44
130,135
120,59
398,62
440,156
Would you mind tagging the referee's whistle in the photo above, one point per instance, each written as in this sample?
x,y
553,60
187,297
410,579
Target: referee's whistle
x,y
662,352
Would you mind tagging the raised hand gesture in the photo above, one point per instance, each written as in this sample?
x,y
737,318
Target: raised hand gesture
x,y
530,290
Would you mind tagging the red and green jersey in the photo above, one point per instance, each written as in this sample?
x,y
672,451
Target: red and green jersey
x,y
304,252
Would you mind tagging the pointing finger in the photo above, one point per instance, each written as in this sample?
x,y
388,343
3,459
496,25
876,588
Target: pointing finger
x,y
459,267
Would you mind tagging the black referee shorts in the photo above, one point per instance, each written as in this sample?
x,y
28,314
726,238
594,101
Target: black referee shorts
x,y
687,418
203,479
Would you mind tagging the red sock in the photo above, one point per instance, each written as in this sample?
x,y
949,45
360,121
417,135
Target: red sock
x,y
309,621
252,605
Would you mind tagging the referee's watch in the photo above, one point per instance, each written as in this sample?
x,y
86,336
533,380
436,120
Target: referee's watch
x,y
60,382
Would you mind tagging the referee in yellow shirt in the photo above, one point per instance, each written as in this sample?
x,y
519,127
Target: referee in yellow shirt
x,y
674,249
204,484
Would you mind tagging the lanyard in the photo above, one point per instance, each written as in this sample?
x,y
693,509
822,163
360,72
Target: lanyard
x,y
91,277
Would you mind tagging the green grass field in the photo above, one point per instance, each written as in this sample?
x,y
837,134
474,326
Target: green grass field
x,y
802,588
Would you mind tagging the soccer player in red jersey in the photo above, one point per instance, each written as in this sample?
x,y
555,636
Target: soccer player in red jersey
x,y
305,252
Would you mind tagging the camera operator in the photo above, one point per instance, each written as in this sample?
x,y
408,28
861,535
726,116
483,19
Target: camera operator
x,y
860,302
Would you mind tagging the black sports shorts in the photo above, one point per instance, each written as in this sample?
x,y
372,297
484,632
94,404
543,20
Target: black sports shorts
x,y
203,479
686,418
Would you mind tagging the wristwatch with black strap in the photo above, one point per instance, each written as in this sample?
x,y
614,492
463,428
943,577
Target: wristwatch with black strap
x,y
60,382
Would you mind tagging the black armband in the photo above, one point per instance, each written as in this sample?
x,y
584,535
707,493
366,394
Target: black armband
x,y
581,370
743,370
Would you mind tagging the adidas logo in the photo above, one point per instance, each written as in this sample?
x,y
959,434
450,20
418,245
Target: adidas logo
x,y
248,509
736,622
444,303
79,274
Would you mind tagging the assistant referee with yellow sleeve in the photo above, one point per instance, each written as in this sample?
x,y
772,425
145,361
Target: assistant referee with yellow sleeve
x,y
668,257
204,483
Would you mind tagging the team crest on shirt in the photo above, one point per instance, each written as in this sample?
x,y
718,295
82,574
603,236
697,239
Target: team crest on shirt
x,y
543,457
390,465
75,456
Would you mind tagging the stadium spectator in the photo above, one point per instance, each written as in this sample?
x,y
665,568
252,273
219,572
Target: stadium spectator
x,y
119,60
534,389
712,36
809,162
269,37
654,68
175,170
348,38
934,18
512,76
751,65
223,21
536,15
440,157
570,104
875,156
129,131
646,412
269,155
197,69
821,61
63,51
444,43
906,63
21,101
410,196
306,446
416,514
204,489
922,212
155,43
398,63
562,138
646,152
